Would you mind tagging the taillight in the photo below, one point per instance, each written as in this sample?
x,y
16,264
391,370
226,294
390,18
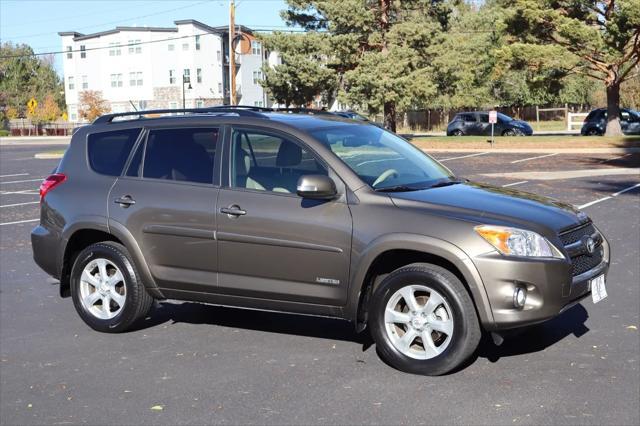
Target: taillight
x,y
51,182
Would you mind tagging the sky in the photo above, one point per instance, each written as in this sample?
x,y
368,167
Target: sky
x,y
37,23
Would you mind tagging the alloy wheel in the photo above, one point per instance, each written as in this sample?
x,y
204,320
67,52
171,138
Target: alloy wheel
x,y
102,289
419,322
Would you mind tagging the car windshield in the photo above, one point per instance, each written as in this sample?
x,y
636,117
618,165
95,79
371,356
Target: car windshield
x,y
504,117
382,159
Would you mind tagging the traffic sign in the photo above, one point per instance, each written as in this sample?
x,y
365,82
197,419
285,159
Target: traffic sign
x,y
32,105
493,117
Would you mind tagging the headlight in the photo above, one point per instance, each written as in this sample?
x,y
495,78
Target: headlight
x,y
518,242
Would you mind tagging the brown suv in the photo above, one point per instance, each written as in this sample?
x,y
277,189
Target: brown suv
x,y
308,214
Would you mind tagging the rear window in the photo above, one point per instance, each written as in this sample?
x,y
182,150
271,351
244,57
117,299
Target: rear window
x,y
181,154
109,151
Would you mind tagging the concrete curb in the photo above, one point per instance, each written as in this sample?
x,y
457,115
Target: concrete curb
x,y
39,140
539,150
47,156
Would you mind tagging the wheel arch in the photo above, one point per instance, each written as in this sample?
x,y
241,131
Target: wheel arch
x,y
82,234
391,252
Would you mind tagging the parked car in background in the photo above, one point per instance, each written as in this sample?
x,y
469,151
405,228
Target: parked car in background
x,y
477,123
356,116
596,122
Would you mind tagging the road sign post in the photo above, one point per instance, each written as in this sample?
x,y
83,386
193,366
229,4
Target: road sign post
x,y
493,119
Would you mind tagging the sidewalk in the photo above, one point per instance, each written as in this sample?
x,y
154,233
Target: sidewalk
x,y
34,140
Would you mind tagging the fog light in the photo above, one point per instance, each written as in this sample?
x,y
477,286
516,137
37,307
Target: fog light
x,y
519,297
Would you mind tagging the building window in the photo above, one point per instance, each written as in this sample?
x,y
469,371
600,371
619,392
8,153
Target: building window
x,y
258,104
185,46
219,87
199,75
135,79
69,52
72,84
134,46
171,47
186,75
219,56
257,76
116,80
256,47
114,49
172,76
199,103
197,42
85,82
74,117
83,51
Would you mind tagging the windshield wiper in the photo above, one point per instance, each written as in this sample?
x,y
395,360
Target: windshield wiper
x,y
445,183
398,188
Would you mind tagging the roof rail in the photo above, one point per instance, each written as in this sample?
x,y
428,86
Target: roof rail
x,y
243,107
310,111
242,112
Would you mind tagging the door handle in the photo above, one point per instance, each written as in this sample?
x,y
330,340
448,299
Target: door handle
x,y
233,211
125,201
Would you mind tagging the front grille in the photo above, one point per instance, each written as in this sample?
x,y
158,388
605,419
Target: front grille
x,y
583,262
574,235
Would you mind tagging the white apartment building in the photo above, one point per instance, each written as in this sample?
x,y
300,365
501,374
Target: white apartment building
x,y
137,68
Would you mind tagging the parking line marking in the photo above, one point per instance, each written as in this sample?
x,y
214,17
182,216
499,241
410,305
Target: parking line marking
x,y
16,174
20,204
464,156
534,158
21,181
609,197
515,183
19,221
25,192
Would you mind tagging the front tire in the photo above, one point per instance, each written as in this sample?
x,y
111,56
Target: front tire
x,y
106,288
457,132
423,320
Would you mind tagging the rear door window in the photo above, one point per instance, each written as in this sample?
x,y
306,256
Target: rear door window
x,y
109,151
185,154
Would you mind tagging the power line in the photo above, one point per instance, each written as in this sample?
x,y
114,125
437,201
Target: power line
x,y
120,21
62,18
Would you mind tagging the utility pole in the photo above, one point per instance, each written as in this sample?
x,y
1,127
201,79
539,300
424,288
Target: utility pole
x,y
232,54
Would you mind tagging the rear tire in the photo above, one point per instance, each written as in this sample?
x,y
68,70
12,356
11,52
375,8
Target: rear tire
x,y
442,317
593,132
457,132
106,288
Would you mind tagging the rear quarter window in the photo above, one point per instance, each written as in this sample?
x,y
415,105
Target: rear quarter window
x,y
109,151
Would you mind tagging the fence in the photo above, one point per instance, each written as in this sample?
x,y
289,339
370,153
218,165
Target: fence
x,y
570,122
24,127
437,119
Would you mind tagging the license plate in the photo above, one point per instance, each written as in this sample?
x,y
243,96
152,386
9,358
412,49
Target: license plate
x,y
598,289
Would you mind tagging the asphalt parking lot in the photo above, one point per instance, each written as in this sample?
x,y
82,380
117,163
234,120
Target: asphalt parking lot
x,y
194,363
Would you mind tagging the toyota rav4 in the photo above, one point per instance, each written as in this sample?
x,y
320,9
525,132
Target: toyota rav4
x,y
307,214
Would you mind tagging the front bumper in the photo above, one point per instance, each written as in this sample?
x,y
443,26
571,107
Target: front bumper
x,y
551,289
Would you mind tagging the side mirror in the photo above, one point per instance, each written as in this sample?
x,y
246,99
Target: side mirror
x,y
316,187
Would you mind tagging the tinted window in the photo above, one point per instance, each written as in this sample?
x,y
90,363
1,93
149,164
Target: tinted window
x,y
269,163
484,118
109,151
181,154
135,167
469,117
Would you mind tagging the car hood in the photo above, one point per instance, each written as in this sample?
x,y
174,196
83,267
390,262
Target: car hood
x,y
493,205
520,123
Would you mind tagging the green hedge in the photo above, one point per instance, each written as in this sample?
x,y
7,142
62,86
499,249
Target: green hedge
x,y
4,132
